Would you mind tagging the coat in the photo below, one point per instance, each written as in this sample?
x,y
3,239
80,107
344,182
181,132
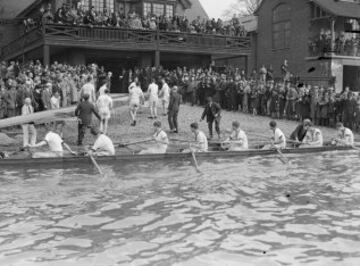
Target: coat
x,y
175,101
84,112
211,112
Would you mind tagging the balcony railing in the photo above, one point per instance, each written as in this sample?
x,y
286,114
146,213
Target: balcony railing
x,y
124,37
341,47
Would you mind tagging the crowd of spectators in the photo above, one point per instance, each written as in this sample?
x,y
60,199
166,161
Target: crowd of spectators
x,y
47,87
259,93
77,15
347,44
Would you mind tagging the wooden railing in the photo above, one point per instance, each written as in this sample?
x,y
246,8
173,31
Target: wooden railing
x,y
158,39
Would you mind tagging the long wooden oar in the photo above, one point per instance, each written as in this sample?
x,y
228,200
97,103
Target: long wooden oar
x,y
96,165
135,143
282,158
195,162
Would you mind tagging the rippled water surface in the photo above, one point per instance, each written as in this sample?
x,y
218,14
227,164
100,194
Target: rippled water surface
x,y
256,211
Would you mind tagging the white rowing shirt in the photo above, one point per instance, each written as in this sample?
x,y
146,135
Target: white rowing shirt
x,y
104,145
201,142
153,91
313,138
165,92
54,141
239,136
135,94
104,104
280,138
346,136
161,136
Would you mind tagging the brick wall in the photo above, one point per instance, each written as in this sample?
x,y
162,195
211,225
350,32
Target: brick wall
x,y
300,29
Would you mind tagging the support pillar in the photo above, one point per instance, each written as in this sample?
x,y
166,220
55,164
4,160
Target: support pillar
x,y
157,58
332,27
46,55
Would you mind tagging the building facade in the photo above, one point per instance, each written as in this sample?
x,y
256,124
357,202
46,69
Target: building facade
x,y
319,38
116,47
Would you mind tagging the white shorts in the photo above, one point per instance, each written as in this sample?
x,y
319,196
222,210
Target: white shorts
x,y
165,102
153,102
134,105
105,113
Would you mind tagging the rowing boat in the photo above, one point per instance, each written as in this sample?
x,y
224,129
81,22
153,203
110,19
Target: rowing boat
x,y
66,162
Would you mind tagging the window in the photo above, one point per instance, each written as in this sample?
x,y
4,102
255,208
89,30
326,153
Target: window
x,y
99,5
169,11
158,9
281,26
147,9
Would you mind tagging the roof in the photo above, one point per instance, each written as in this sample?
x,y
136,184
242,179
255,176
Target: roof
x,y
11,9
196,10
340,8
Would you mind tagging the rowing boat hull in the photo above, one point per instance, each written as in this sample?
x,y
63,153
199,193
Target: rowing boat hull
x,y
65,161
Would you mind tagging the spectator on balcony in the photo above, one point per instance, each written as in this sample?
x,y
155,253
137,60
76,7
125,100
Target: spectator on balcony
x,y
90,16
60,15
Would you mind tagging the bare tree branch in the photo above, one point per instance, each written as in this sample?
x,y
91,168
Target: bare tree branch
x,y
242,7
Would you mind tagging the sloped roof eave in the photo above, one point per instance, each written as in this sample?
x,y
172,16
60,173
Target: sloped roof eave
x,y
338,8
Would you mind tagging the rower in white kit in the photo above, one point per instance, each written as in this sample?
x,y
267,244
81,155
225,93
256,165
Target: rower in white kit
x,y
161,140
237,141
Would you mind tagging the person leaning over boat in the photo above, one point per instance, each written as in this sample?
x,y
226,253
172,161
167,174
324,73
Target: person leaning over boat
x,y
313,136
300,132
201,143
212,112
54,142
345,136
84,112
278,140
28,129
237,141
103,145
161,140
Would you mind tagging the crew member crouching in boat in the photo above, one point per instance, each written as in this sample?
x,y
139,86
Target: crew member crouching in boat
x,y
55,144
278,140
201,143
237,141
313,136
299,133
103,145
161,140
345,136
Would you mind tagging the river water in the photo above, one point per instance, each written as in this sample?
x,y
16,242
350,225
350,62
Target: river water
x,y
254,211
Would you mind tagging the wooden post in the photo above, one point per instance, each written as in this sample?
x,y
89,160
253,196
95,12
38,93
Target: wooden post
x,y
157,58
332,27
46,55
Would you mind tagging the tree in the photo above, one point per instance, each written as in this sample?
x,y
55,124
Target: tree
x,y
242,7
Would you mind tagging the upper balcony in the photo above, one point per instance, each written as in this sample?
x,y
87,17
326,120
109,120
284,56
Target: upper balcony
x,y
341,47
115,38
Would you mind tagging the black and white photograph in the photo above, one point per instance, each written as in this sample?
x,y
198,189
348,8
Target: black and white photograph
x,y
179,132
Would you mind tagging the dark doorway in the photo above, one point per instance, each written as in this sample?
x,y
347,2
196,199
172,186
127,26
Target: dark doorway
x,y
116,66
351,77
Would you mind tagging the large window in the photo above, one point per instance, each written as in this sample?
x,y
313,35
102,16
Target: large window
x,y
158,9
169,11
99,5
147,9
281,31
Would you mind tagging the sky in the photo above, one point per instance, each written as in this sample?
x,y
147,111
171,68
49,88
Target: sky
x,y
216,8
